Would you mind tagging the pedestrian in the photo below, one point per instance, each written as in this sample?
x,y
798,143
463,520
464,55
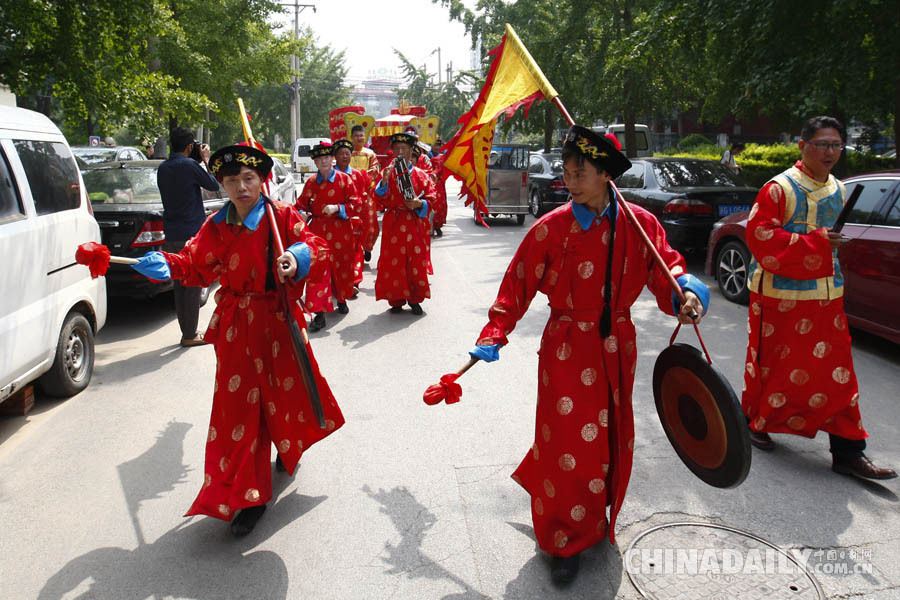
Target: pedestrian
x,y
331,201
403,264
179,179
799,375
587,258
147,145
728,158
365,159
440,186
343,150
259,396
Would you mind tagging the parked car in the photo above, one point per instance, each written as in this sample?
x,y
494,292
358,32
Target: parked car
x,y
507,182
50,307
687,195
129,210
282,187
546,188
870,262
94,155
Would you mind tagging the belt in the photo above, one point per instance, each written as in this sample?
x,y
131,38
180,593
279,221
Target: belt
x,y
585,314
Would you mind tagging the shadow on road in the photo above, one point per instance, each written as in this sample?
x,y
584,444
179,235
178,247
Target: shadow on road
x,y
196,559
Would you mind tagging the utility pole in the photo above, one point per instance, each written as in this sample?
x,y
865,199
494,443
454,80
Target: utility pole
x,y
450,72
296,131
438,50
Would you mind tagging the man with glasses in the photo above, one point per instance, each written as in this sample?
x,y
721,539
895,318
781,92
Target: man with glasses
x,y
798,376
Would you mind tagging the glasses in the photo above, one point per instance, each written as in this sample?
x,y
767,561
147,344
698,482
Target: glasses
x,y
823,146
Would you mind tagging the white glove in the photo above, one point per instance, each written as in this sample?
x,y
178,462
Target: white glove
x,y
331,209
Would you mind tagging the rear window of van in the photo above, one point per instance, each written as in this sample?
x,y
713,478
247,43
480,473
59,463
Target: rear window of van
x,y
52,175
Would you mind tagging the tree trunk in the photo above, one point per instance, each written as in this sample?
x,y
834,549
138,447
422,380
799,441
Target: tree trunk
x,y
628,111
89,124
896,121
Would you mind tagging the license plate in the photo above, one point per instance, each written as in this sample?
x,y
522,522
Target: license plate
x,y
304,169
730,209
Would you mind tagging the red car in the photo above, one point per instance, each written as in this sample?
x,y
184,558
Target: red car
x,y
870,261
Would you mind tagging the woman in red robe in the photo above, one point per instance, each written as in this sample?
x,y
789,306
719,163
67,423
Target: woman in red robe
x,y
343,150
331,200
259,395
591,264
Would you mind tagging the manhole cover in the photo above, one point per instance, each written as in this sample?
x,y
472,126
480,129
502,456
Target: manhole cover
x,y
702,561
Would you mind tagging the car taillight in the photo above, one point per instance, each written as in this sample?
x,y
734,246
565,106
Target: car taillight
x,y
151,234
557,184
687,206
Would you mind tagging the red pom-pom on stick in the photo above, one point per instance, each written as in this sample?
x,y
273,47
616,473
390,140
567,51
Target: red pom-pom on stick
x,y
447,390
95,256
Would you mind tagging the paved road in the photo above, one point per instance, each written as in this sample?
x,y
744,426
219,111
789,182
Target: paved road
x,y
406,501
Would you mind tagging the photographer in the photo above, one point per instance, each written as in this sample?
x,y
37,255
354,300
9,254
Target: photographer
x,y
179,179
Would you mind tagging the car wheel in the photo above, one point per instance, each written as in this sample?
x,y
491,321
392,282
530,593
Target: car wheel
x,y
73,364
534,203
733,271
520,219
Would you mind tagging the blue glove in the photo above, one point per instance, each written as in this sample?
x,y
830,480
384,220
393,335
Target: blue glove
x,y
153,265
486,353
422,211
689,283
301,252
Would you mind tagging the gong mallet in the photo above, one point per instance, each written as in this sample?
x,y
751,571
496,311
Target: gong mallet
x,y
96,257
447,390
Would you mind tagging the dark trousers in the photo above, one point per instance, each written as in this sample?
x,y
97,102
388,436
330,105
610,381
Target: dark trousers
x,y
841,447
187,298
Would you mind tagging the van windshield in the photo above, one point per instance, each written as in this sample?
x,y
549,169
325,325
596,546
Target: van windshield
x,y
121,186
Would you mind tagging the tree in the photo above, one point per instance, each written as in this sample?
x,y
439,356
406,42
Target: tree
x,y
447,100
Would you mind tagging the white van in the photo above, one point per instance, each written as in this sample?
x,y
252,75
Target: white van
x,y
300,160
50,308
642,136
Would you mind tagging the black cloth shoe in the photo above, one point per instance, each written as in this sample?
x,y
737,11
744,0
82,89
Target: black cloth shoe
x,y
564,570
861,467
761,440
279,466
318,322
367,255
416,308
246,520
342,308
438,232
396,309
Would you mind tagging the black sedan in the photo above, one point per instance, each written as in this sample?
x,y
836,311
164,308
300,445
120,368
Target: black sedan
x,y
546,188
687,195
128,208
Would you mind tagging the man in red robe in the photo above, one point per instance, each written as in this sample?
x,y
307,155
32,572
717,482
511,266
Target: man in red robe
x,y
343,150
259,395
330,198
440,184
403,264
799,375
364,159
590,262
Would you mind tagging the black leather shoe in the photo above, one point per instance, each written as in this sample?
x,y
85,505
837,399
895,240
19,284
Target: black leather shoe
x,y
367,255
416,308
564,570
246,520
342,308
318,322
761,440
861,467
396,309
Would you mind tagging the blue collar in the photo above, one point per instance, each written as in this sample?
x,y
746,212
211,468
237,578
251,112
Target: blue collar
x,y
586,218
320,179
229,214
348,170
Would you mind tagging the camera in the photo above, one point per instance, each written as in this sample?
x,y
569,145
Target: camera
x,y
195,151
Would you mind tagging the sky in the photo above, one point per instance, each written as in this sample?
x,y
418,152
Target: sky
x,y
369,30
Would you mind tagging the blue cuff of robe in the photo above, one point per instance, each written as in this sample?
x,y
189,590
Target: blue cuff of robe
x,y
153,265
342,212
300,250
689,283
486,353
381,190
422,211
